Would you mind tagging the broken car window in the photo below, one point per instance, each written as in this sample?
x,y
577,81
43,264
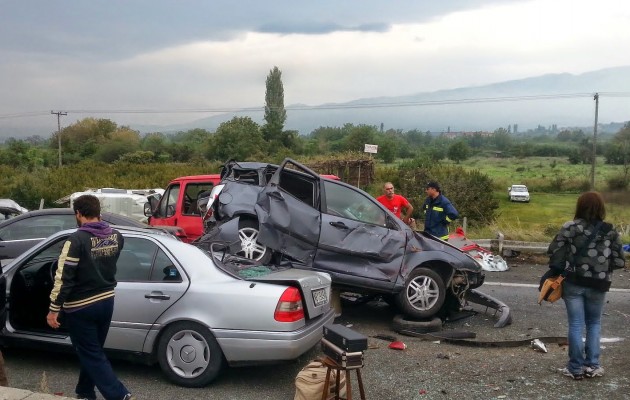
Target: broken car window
x,y
343,202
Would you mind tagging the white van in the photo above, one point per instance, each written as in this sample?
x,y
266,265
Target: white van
x,y
128,202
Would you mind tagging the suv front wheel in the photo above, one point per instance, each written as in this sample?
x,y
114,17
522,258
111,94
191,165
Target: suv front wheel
x,y
423,294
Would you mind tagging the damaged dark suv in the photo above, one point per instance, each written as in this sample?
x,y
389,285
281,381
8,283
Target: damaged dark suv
x,y
289,213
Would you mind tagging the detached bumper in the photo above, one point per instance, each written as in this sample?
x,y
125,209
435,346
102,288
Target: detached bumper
x,y
501,309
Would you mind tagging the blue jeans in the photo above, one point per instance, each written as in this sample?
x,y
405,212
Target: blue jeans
x,y
88,329
584,310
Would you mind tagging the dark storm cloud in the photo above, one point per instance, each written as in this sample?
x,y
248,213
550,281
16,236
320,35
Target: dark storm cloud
x,y
119,28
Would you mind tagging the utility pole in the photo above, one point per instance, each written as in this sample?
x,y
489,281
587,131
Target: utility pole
x,y
59,114
596,98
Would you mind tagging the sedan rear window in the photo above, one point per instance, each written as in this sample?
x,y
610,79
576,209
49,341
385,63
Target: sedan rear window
x,y
241,267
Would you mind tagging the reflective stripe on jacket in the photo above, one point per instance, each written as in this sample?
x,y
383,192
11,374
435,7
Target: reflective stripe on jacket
x,y
438,214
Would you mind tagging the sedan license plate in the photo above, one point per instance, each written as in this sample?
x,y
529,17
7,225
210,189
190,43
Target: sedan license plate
x,y
319,297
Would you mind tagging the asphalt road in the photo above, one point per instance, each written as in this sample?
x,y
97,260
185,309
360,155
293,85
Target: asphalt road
x,y
425,370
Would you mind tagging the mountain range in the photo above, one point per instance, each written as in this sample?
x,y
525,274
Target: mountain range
x,y
563,100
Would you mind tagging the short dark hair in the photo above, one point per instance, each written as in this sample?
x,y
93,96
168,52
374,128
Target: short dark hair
x,y
590,207
434,185
88,205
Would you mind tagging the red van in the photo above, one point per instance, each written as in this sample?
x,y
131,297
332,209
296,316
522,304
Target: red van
x,y
178,205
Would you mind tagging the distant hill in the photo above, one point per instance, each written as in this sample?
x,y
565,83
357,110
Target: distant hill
x,y
532,101
564,100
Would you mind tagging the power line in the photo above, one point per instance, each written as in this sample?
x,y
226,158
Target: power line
x,y
425,103
25,114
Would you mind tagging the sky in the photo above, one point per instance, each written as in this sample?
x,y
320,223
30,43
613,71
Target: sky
x,y
155,61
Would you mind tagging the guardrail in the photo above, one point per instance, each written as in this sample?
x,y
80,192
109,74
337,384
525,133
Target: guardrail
x,y
499,245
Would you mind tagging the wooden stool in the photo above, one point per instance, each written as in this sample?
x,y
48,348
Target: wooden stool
x,y
332,364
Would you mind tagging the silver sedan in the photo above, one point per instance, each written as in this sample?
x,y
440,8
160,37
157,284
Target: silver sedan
x,y
179,306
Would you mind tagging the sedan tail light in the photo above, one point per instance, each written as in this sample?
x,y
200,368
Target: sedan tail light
x,y
289,308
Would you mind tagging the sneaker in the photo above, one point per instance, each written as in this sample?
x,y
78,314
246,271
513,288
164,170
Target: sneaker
x,y
591,372
577,377
129,396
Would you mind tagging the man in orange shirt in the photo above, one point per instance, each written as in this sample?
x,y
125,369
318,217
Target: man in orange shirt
x,y
396,203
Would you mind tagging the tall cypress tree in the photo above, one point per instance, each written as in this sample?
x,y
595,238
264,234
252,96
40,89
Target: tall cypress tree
x,y
275,114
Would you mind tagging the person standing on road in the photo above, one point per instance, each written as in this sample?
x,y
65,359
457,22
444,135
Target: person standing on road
x,y
396,203
3,372
84,291
438,211
585,251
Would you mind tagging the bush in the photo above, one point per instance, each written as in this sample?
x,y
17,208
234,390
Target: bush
x,y
617,183
469,191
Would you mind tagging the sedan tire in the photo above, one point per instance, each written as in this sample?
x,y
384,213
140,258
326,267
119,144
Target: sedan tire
x,y
189,355
423,295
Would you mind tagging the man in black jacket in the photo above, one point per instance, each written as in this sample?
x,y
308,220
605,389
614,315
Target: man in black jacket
x,y
84,292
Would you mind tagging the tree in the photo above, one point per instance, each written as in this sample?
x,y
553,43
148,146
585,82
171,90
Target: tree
x,y
122,141
239,138
83,138
275,114
458,151
619,150
359,136
502,139
387,149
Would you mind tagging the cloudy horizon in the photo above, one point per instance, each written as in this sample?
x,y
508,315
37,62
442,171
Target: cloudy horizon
x,y
119,59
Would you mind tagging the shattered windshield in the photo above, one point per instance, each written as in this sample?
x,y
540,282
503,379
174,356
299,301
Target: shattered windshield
x,y
240,267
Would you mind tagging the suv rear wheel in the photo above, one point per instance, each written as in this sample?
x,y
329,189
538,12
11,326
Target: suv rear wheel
x,y
250,247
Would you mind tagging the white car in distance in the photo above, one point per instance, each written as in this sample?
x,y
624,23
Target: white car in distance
x,y
518,193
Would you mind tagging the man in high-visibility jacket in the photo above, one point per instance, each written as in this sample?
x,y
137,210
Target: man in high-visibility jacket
x,y
438,212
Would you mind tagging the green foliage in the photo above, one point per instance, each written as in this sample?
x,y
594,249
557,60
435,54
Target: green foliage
x,y
571,136
51,184
387,149
359,136
618,151
240,139
275,114
617,183
23,154
458,151
138,157
502,139
469,191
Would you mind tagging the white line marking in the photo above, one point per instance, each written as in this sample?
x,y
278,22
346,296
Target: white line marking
x,y
533,285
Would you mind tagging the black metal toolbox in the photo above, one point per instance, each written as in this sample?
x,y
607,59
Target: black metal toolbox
x,y
344,359
345,338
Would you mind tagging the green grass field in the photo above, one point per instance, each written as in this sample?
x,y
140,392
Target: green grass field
x,y
543,174
554,186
